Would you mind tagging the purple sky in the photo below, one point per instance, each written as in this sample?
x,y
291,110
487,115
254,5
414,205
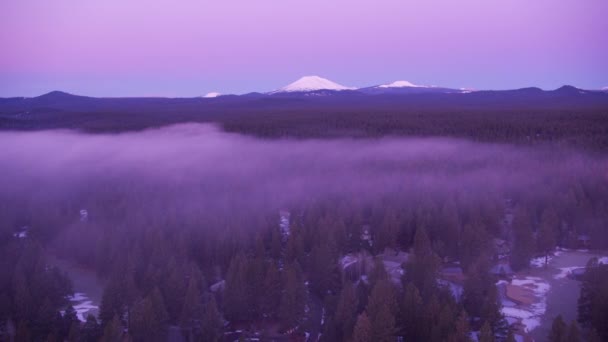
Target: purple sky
x,y
191,47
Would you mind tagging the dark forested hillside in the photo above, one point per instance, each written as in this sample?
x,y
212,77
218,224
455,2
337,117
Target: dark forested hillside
x,y
566,116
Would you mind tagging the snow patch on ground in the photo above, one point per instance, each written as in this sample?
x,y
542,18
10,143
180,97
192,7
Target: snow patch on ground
x,y
456,289
323,317
284,223
82,304
529,315
565,271
348,260
540,261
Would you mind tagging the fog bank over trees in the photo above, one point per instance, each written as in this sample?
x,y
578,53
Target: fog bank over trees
x,y
185,170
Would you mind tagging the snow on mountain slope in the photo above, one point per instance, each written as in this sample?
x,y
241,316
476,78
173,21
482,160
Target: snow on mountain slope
x,y
312,83
212,94
401,84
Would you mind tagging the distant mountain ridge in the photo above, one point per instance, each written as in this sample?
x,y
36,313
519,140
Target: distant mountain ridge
x,y
319,86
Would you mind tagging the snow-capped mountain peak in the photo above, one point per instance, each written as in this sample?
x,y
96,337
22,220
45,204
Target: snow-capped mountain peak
x,y
401,84
212,94
311,83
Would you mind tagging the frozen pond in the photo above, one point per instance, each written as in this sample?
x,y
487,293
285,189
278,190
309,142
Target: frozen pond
x,y
550,290
562,298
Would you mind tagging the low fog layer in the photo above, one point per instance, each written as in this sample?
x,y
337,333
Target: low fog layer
x,y
173,176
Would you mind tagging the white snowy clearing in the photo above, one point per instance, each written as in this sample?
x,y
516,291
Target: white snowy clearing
x,y
540,261
212,94
311,83
529,315
565,271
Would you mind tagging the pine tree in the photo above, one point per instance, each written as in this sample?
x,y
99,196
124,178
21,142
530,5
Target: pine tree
x,y
23,301
67,320
486,334
546,234
474,245
272,291
383,325
275,246
293,298
161,317
381,308
294,249
211,323
91,331
559,330
386,235
323,269
480,296
510,336
192,308
422,267
450,228
113,331
112,301
446,320
23,332
461,331
173,289
74,332
144,325
346,310
363,329
431,313
377,273
43,320
574,333
523,247
411,314
197,275
236,290
256,270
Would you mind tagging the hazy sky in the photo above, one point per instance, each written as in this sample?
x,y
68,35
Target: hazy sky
x,y
191,47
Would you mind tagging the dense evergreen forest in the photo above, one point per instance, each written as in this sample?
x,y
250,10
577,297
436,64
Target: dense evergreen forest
x,y
566,117
203,235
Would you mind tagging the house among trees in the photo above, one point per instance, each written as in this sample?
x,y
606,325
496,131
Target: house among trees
x,y
583,241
